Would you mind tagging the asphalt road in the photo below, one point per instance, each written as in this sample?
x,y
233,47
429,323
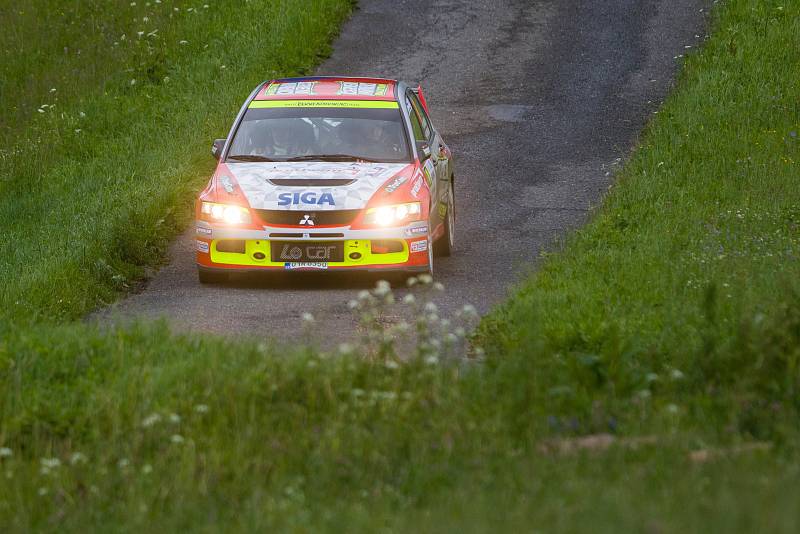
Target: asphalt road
x,y
538,100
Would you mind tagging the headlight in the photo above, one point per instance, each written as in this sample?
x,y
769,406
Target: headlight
x,y
393,215
226,213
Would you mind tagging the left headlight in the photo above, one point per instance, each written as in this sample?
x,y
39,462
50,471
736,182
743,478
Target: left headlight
x,y
393,215
227,213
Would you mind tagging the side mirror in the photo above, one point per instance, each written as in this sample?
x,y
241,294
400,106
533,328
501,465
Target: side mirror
x,y
424,150
216,148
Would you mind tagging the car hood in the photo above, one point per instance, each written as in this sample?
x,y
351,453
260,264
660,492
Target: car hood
x,y
311,185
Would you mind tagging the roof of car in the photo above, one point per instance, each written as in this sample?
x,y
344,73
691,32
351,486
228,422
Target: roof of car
x,y
328,87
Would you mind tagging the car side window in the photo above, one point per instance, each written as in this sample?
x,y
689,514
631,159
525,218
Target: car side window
x,y
427,130
416,125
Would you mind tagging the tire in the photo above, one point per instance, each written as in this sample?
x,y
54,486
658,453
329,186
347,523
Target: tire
x,y
446,244
430,257
211,277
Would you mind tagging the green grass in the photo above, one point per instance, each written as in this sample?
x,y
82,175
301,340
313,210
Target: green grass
x,y
673,318
94,186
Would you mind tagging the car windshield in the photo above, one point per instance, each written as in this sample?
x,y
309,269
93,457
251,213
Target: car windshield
x,y
320,134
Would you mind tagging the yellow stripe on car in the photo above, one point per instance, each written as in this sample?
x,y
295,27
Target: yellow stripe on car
x,y
370,104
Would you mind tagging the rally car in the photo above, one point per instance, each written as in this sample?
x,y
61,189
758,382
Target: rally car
x,y
328,174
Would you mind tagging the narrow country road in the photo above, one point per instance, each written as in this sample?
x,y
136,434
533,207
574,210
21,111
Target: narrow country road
x,y
538,100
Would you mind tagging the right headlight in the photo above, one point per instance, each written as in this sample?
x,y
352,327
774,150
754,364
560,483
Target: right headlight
x,y
394,214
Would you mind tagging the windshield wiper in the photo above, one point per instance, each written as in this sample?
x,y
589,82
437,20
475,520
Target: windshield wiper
x,y
249,157
332,157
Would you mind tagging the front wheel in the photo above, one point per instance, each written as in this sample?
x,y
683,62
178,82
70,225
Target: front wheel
x,y
446,244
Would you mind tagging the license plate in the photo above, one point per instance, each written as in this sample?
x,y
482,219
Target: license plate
x,y
294,265
307,252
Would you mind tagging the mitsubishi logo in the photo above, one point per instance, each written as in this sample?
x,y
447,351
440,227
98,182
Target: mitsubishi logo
x,y
307,220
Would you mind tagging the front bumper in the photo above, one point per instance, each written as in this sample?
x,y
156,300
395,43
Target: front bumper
x,y
223,248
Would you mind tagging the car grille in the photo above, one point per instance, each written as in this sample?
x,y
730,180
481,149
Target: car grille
x,y
320,218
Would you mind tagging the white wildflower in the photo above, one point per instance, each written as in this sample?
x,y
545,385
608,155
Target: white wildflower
x,y
425,279
382,288
123,463
430,307
438,286
174,418
352,304
81,114
676,374
431,360
345,348
150,420
176,438
391,364
50,463
147,469
409,299
411,281
469,310
672,408
363,294
133,81
201,408
42,492
77,458
308,318
5,452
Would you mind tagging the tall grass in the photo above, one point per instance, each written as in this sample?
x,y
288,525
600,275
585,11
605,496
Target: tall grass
x,y
645,379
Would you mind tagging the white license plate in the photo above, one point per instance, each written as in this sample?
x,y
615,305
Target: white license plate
x,y
305,265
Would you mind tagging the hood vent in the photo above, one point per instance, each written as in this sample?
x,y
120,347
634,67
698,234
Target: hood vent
x,y
311,182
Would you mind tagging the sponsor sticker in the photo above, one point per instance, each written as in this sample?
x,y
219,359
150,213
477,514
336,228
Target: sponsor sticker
x,y
419,246
362,89
427,172
442,209
397,182
322,103
417,230
203,230
305,198
294,88
416,187
202,246
226,183
294,265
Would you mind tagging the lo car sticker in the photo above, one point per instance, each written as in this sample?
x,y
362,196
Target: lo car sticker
x,y
202,246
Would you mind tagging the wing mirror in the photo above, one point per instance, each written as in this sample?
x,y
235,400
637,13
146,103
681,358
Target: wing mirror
x,y
216,148
424,150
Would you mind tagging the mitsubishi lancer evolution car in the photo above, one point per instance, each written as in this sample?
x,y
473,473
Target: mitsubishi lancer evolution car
x,y
328,173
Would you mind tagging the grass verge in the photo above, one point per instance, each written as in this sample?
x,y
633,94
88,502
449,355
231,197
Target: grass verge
x,y
102,104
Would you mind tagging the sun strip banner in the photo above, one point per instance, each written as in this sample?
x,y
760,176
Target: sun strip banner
x,y
374,104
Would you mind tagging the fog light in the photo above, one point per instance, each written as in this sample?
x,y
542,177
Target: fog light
x,y
355,255
259,255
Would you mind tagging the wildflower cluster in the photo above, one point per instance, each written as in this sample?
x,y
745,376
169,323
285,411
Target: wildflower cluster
x,y
396,330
